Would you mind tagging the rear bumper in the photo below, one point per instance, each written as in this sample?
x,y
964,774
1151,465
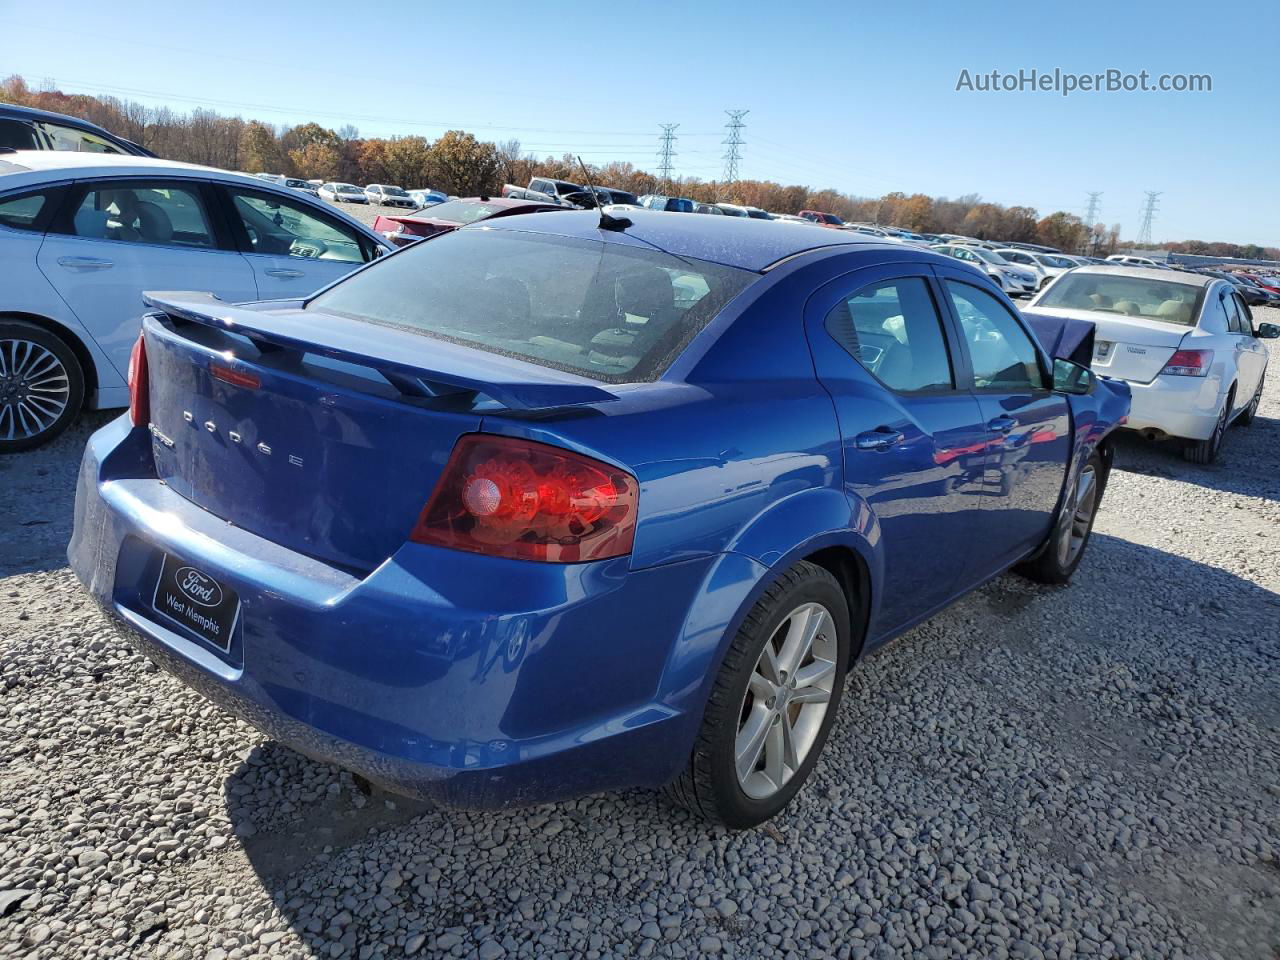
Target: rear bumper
x,y
1184,407
470,680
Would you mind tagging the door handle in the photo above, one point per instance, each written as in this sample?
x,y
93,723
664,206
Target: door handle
x,y
1002,424
283,273
85,263
881,438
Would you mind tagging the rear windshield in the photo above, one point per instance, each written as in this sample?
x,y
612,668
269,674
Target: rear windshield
x,y
1177,303
612,312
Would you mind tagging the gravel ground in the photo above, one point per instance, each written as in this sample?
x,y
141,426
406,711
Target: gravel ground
x,y
1037,772
367,212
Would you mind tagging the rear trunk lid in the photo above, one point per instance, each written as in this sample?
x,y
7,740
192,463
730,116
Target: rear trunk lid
x,y
406,229
1126,347
319,433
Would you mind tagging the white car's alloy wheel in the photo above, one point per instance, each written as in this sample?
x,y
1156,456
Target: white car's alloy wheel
x,y
34,389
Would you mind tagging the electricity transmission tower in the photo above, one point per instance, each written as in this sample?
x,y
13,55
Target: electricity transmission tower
x,y
1148,217
666,152
1091,216
734,142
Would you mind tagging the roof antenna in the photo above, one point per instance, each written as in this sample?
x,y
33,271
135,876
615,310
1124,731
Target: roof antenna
x,y
607,221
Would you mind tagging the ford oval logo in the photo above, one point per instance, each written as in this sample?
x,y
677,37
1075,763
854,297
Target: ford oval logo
x,y
203,589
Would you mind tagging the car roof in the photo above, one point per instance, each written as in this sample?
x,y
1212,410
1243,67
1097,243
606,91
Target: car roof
x,y
33,168
44,162
736,242
14,111
1145,273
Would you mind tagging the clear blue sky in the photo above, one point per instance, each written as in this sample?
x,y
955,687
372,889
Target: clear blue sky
x,y
855,96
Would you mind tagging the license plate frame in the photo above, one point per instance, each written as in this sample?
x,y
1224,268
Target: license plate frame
x,y
197,602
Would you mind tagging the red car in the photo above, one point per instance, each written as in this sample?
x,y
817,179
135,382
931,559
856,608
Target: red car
x,y
1266,283
822,219
451,215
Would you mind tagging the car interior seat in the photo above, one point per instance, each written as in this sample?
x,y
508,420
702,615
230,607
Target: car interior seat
x,y
643,309
154,225
1128,307
1175,311
507,299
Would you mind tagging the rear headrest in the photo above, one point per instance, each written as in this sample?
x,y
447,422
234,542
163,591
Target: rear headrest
x,y
1129,307
1174,310
1100,299
153,223
645,293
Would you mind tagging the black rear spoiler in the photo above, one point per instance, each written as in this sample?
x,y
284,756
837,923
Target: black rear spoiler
x,y
394,352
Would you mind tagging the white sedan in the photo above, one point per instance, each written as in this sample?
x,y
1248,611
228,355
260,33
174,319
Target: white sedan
x,y
342,193
1186,344
82,235
1049,265
1015,281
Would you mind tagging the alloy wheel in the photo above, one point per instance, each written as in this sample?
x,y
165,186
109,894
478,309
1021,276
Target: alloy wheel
x,y
34,389
1220,427
786,700
1079,518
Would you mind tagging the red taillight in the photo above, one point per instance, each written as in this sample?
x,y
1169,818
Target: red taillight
x,y
1188,363
516,498
139,388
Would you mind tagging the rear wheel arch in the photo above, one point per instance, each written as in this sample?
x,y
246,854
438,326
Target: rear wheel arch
x,y
88,368
735,582
851,571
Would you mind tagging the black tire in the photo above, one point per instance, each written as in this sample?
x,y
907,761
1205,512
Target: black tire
x,y
29,417
1250,413
1205,452
1065,549
709,785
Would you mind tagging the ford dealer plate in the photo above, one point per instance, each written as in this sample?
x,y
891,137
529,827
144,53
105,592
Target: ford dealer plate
x,y
192,599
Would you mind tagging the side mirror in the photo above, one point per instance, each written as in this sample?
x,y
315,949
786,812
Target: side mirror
x,y
1071,377
1268,331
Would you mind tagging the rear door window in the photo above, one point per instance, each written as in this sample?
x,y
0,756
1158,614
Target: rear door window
x,y
1246,315
893,329
18,135
166,214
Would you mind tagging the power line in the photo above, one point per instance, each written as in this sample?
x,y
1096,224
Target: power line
x,y
666,153
1148,217
63,83
734,142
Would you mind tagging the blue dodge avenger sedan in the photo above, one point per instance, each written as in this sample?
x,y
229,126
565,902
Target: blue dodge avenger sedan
x,y
566,503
